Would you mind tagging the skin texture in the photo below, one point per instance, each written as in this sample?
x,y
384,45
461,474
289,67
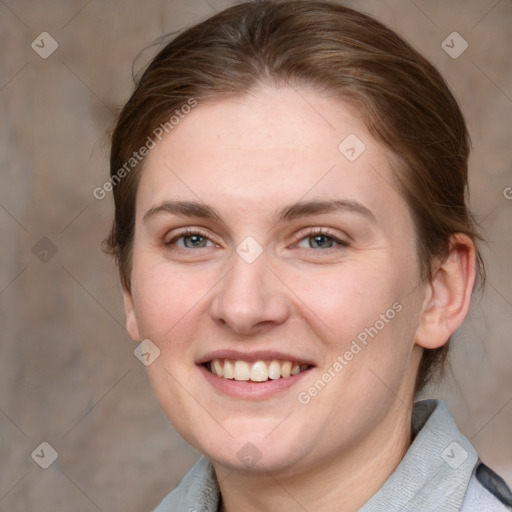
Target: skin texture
x,y
247,158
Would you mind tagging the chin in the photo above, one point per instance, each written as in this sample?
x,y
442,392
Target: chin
x,y
255,454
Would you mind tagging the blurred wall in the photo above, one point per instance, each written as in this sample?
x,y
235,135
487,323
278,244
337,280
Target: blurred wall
x,y
68,375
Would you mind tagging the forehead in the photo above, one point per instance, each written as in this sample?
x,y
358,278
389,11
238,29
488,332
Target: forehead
x,y
272,147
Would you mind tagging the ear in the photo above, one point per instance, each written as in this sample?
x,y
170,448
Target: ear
x,y
448,294
132,327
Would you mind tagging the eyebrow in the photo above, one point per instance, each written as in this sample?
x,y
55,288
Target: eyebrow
x,y
288,213
184,209
303,209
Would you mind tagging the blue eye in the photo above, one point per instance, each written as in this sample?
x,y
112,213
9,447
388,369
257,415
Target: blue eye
x,y
190,240
195,241
317,239
321,240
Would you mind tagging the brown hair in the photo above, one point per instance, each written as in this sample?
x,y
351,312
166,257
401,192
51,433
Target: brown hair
x,y
402,98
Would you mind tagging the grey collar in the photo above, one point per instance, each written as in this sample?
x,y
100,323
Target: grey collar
x,y
435,472
433,475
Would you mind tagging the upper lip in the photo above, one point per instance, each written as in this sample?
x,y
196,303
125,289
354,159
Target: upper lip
x,y
257,355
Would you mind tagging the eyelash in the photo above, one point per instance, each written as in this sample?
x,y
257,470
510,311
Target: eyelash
x,y
187,233
297,238
321,232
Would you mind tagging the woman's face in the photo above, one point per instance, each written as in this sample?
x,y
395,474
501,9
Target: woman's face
x,y
270,238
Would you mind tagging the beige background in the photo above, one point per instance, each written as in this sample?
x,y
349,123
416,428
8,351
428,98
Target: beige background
x,y
68,375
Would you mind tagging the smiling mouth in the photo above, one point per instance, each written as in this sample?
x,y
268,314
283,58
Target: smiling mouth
x,y
257,371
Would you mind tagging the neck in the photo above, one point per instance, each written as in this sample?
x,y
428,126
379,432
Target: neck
x,y
343,481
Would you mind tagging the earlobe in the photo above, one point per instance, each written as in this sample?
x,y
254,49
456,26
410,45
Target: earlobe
x,y
449,294
129,311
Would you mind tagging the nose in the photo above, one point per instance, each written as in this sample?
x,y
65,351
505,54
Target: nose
x,y
250,298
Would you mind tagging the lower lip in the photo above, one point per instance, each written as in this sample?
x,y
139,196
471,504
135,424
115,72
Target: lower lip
x,y
248,389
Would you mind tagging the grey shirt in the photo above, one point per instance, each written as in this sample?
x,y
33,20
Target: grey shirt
x,y
440,472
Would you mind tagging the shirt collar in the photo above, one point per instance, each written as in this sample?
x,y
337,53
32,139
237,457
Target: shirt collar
x,y
435,472
433,475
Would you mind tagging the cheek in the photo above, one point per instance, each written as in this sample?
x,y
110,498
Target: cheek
x,y
364,317
346,298
164,298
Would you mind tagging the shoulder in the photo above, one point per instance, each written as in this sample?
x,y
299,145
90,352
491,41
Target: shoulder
x,y
487,491
197,492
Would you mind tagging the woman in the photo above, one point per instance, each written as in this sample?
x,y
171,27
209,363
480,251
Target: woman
x,y
295,251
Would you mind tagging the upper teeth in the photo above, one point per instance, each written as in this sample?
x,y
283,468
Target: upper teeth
x,y
257,371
